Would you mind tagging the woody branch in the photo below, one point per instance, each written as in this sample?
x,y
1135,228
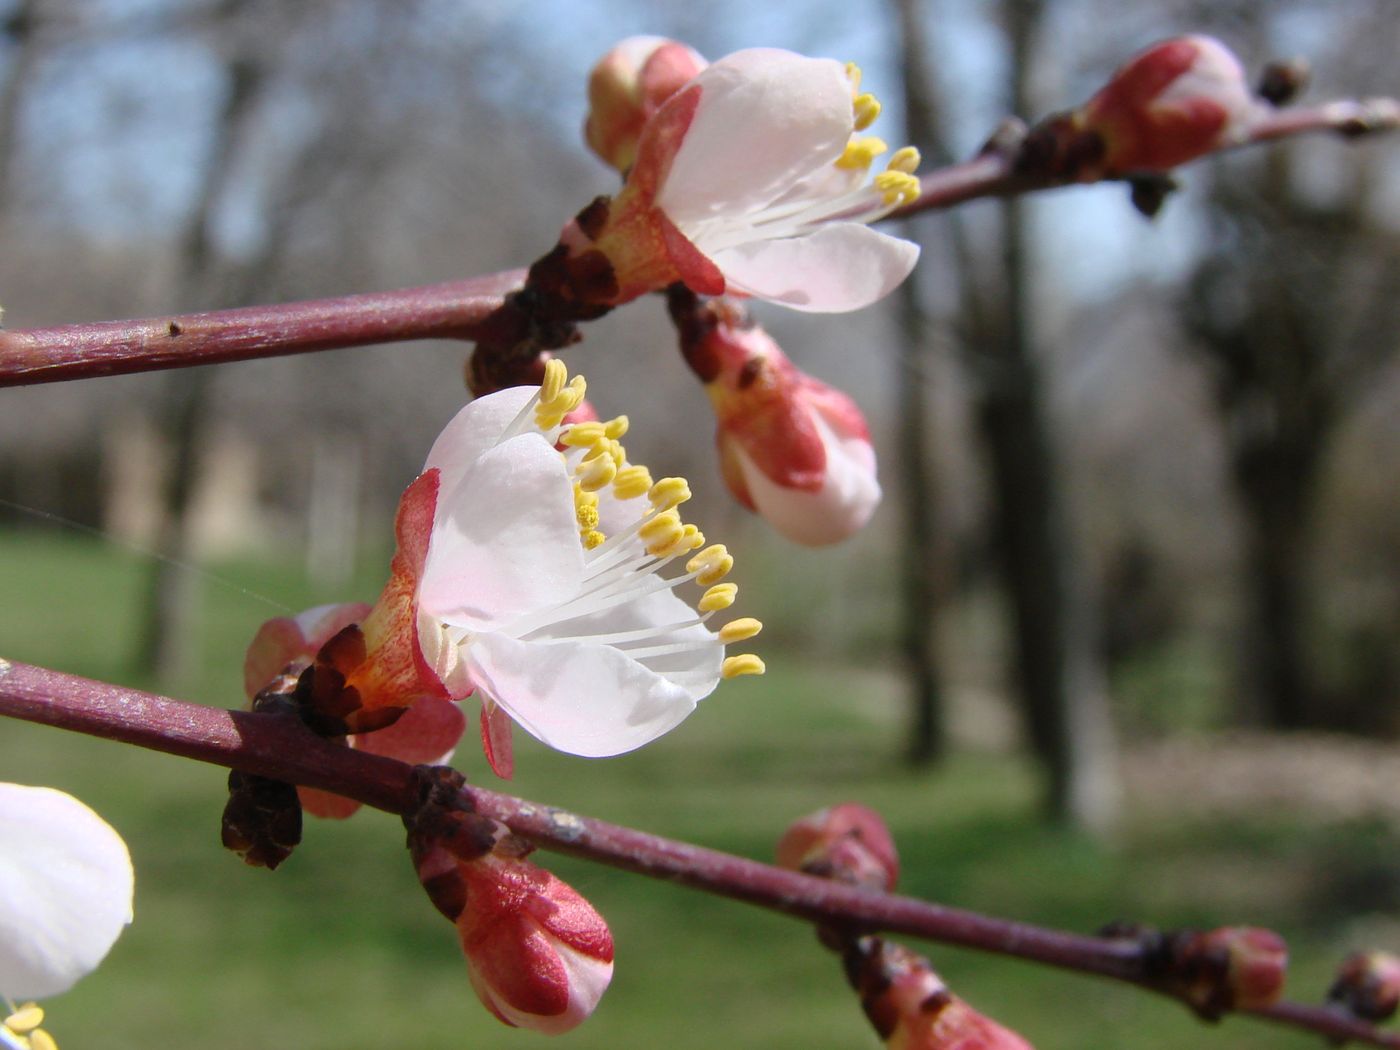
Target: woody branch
x,y
282,748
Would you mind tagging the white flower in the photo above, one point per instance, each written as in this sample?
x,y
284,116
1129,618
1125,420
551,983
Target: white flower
x,y
753,179
65,891
542,585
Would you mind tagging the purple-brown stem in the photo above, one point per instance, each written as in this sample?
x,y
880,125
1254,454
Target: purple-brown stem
x,y
468,309
280,747
471,309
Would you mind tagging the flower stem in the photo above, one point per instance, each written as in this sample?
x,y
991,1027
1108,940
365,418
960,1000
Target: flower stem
x,y
280,747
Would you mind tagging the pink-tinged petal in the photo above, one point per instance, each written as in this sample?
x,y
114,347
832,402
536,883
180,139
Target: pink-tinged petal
x,y
65,891
471,433
766,118
840,267
577,697
496,739
661,140
694,267
509,543
283,639
842,506
367,675
426,734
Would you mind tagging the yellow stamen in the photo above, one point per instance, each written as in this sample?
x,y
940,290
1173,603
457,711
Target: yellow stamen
x,y
587,517
740,630
905,160
861,153
898,187
595,474
27,1018
555,374
711,565
694,538
582,435
669,492
592,538
616,427
664,526
720,596
745,663
632,482
853,75
867,111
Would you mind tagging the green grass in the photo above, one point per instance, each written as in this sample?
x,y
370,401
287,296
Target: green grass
x,y
339,948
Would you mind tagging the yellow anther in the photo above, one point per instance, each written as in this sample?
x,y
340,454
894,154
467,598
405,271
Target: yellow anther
x,y
905,160
592,538
740,630
669,492
746,663
674,549
587,517
866,109
616,427
853,75
632,482
555,375
666,524
897,187
595,474
27,1018
582,435
694,538
720,596
41,1040
711,565
861,153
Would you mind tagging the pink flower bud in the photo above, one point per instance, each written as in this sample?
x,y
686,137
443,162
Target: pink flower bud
x,y
627,86
847,842
1230,968
1170,104
791,448
538,954
912,1009
1368,984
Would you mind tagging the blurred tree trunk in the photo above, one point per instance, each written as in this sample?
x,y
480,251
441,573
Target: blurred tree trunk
x,y
922,551
172,609
1060,674
20,32
1292,313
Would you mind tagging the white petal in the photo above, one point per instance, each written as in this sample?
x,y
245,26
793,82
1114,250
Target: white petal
x,y
580,698
836,511
766,118
65,891
508,543
843,266
471,432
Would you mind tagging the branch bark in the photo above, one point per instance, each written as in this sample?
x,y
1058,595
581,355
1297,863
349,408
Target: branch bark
x,y
280,747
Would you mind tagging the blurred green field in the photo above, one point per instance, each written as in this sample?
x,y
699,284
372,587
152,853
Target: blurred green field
x,y
340,948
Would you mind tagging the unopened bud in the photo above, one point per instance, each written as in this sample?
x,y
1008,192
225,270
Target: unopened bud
x,y
538,955
912,1009
627,86
1368,985
791,448
1168,105
849,843
1230,968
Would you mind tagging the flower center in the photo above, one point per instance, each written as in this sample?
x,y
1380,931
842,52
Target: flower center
x,y
623,566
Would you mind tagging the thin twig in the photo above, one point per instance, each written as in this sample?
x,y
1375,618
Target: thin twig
x,y
467,309
280,747
453,310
